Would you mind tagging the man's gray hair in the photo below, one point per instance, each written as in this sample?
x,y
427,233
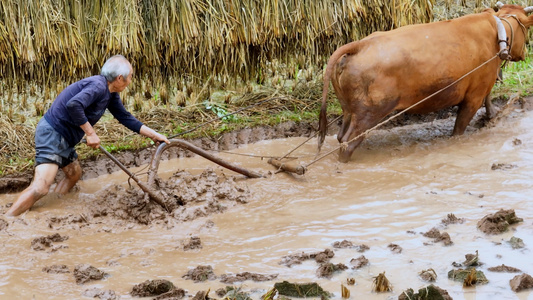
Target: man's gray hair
x,y
115,66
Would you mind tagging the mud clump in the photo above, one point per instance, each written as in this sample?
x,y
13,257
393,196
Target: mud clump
x,y
152,288
428,275
502,166
172,295
101,294
56,269
343,244
504,268
301,290
358,263
452,219
3,224
394,248
297,259
471,260
15,183
72,221
435,234
233,293
362,248
468,276
200,274
326,270
44,242
188,197
431,292
84,273
193,244
521,282
231,279
516,243
498,222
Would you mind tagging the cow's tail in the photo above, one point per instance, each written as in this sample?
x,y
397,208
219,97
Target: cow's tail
x,y
323,120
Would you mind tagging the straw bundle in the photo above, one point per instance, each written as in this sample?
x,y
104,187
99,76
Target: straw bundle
x,y
64,40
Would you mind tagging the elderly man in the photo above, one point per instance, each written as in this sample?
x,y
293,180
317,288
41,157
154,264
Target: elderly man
x,y
71,116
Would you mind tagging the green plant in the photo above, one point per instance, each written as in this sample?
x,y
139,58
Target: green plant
x,y
220,111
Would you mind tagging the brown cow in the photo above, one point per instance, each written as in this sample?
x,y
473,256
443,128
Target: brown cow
x,y
393,70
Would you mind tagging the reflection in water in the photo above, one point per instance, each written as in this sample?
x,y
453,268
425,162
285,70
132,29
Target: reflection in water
x,y
400,183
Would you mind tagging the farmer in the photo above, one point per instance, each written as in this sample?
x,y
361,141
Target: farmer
x,y
71,116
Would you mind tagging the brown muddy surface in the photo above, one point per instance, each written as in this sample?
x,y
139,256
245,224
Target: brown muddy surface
x,y
409,205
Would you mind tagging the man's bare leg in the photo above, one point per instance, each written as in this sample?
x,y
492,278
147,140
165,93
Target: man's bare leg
x,y
72,175
43,179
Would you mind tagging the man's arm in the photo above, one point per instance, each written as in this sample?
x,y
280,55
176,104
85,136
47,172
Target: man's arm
x,y
127,119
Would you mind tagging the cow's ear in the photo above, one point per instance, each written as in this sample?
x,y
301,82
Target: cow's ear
x,y
528,22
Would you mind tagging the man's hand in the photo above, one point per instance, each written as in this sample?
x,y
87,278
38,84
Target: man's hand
x,y
160,138
155,136
93,141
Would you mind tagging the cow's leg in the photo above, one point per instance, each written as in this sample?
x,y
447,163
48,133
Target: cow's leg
x,y
489,108
465,113
346,121
345,153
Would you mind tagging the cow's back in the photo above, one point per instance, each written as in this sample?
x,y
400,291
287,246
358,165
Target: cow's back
x,y
408,64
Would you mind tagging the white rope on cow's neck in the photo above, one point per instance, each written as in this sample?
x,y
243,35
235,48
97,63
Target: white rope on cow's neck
x,y
345,144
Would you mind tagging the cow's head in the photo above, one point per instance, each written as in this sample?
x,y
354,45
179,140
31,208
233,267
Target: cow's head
x,y
518,18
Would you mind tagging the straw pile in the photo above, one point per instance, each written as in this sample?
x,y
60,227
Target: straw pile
x,y
49,41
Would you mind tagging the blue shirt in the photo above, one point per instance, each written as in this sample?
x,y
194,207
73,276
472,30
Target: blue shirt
x,y
86,100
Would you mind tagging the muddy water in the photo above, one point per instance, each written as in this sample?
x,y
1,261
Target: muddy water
x,y
400,184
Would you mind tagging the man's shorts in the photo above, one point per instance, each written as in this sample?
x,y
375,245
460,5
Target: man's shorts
x,y
51,147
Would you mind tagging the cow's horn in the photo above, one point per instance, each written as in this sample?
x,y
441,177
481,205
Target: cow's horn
x,y
499,4
528,9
